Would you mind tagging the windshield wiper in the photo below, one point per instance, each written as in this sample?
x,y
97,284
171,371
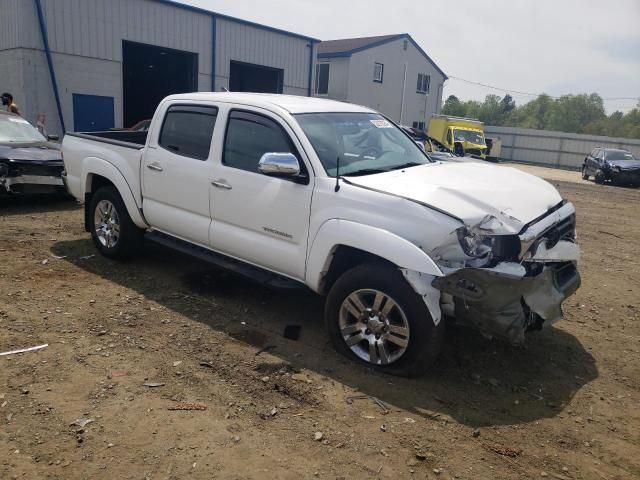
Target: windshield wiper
x,y
404,165
365,171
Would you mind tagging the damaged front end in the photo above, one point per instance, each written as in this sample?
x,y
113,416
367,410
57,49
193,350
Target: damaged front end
x,y
507,285
30,177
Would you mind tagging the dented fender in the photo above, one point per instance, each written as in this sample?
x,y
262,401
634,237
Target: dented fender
x,y
374,240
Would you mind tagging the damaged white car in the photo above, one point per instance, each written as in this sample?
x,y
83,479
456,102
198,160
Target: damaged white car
x,y
307,192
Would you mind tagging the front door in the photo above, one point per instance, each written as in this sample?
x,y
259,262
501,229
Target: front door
x,y
261,219
177,170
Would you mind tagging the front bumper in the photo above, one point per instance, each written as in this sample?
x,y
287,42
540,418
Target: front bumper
x,y
631,177
523,293
10,183
507,305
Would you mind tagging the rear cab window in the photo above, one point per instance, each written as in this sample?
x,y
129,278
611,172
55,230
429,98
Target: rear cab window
x,y
187,130
249,136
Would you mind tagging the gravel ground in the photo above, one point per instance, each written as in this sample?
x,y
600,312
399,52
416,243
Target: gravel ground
x,y
184,372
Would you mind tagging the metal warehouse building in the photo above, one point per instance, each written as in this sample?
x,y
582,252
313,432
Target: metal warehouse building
x,y
88,65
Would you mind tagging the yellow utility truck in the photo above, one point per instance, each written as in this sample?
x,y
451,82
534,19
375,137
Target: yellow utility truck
x,y
462,136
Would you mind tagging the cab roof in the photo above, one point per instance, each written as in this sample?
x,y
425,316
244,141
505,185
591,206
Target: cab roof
x,y
290,103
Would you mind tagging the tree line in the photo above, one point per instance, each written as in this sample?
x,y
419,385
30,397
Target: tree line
x,y
568,113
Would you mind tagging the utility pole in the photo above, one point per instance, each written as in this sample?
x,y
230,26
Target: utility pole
x,y
404,84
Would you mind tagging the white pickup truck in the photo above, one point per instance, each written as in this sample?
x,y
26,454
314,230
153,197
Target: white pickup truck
x,y
296,191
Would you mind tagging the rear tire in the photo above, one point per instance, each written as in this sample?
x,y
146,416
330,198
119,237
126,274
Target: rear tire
x,y
112,230
585,175
599,177
399,338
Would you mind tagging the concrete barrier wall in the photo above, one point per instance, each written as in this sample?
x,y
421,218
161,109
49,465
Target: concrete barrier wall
x,y
553,149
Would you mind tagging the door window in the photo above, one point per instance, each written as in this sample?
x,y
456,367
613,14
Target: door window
x,y
187,130
249,136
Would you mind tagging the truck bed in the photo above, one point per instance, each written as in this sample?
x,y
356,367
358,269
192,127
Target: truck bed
x,y
115,137
121,149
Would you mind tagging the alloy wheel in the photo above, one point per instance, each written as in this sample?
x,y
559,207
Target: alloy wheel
x,y
107,223
374,326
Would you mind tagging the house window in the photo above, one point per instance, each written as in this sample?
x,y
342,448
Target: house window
x,y
424,83
322,78
378,72
419,125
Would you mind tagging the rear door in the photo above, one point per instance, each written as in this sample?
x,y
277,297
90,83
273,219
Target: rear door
x,y
177,169
260,219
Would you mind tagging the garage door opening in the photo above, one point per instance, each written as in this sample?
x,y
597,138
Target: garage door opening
x,y
149,74
246,77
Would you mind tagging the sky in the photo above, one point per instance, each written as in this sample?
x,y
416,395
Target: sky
x,y
553,46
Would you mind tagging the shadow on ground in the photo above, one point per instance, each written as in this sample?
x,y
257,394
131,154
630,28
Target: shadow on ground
x,y
475,381
26,205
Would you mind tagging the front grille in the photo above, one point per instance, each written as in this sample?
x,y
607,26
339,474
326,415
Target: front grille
x,y
474,151
17,169
567,229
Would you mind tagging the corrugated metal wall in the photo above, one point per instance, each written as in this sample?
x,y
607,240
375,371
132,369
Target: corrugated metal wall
x,y
85,38
555,149
9,27
246,43
96,28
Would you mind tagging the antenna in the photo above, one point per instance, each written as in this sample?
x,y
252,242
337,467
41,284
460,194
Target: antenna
x,y
337,174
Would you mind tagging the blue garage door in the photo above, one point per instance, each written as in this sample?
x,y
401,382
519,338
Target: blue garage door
x,y
92,113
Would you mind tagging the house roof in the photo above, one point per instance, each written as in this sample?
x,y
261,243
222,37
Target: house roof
x,y
348,46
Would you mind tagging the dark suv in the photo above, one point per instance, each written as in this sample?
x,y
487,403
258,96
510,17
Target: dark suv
x,y
611,164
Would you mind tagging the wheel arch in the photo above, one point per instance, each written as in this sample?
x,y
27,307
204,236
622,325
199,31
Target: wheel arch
x,y
340,245
98,173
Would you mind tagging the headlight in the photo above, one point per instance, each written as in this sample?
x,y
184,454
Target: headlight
x,y
473,244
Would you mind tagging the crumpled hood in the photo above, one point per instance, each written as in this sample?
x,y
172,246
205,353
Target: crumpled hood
x,y
470,191
34,151
625,164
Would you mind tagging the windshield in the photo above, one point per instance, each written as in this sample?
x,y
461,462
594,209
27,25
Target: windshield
x,y
468,136
365,143
17,129
618,155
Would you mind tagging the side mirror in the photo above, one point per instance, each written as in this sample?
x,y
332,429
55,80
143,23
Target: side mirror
x,y
420,144
53,138
279,165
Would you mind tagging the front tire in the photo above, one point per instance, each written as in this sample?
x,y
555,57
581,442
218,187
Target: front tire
x,y
599,177
112,230
375,317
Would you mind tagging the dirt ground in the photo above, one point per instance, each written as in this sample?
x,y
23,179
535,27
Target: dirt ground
x,y
565,406
547,173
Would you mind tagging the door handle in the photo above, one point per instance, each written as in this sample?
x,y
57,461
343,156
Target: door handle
x,y
154,166
221,184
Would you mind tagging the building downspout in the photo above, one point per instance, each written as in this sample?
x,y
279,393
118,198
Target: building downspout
x,y
404,86
311,62
52,73
214,45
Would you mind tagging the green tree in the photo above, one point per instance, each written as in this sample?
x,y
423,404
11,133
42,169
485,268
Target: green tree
x,y
453,106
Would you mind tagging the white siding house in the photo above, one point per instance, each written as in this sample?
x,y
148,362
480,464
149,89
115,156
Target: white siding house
x,y
95,64
390,73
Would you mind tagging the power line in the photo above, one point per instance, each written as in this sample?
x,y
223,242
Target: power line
x,y
530,94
